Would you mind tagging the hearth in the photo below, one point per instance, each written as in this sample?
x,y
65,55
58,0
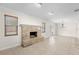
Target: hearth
x,y
33,34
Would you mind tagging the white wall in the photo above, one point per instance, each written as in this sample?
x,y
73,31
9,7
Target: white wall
x,y
70,28
12,41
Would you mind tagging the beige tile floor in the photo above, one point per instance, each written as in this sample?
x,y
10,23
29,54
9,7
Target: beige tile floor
x,y
53,46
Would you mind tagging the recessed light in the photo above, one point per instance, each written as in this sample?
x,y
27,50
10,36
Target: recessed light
x,y
39,5
50,13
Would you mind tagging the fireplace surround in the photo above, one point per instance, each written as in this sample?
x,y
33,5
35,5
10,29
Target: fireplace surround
x,y
30,34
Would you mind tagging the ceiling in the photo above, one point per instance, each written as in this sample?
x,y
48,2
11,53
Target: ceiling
x,y
60,10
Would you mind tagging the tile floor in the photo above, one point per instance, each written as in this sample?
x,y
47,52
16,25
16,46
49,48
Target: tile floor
x,y
54,46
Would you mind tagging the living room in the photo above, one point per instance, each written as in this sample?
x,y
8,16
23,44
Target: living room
x,y
39,28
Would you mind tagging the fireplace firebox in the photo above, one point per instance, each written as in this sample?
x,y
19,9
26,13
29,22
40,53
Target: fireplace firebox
x,y
33,34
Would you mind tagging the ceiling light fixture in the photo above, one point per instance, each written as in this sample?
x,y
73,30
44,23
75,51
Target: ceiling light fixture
x,y
39,5
76,10
50,13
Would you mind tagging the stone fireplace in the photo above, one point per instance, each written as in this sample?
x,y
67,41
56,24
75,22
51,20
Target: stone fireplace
x,y
30,34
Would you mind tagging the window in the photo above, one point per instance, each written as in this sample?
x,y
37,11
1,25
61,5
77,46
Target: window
x,y
11,25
